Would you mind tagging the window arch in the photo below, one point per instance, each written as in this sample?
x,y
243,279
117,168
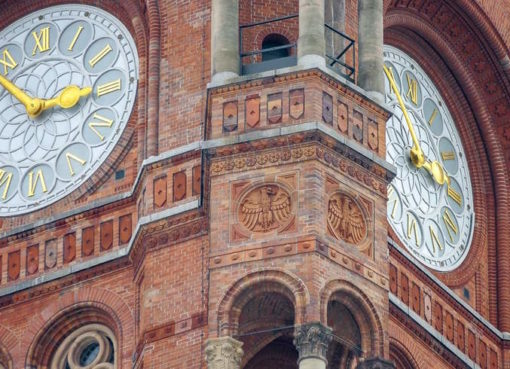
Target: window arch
x,y
92,346
275,40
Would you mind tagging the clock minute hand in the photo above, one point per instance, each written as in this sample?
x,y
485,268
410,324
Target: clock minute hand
x,y
416,154
32,106
68,98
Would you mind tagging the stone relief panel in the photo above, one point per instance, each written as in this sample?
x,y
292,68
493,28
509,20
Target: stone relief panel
x,y
263,208
346,220
350,216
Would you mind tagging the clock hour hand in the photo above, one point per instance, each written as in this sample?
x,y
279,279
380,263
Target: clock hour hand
x,y
416,153
66,99
33,106
437,172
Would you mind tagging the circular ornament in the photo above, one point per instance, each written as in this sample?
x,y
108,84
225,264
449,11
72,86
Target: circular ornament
x,y
433,220
81,63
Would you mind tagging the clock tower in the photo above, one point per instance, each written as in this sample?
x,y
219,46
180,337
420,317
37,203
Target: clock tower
x,y
227,184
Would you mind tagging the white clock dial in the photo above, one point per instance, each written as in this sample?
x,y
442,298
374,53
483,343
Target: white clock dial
x,y
435,221
44,158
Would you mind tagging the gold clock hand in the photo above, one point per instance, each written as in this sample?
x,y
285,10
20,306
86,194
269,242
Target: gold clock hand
x,y
68,98
416,154
32,106
437,172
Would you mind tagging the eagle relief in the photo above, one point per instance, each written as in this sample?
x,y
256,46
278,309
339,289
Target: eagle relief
x,y
345,219
265,208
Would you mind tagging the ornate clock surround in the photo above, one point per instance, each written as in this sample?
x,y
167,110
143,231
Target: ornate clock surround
x,y
475,123
134,16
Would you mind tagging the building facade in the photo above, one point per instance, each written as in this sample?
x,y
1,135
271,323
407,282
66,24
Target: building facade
x,y
233,184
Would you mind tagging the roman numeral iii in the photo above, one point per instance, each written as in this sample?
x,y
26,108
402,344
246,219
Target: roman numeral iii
x,y
108,88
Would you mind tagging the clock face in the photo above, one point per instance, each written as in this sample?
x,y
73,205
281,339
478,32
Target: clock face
x,y
435,221
45,157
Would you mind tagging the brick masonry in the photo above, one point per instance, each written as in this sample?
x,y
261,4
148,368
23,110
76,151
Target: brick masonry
x,y
204,273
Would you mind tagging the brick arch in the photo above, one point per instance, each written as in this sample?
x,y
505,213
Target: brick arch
x,y
73,309
401,356
361,308
256,283
9,346
474,60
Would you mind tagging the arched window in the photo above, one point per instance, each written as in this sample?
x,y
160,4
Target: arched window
x,y
275,40
91,346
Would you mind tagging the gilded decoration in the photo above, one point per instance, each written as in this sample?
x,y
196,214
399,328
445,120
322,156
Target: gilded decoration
x,y
346,220
265,208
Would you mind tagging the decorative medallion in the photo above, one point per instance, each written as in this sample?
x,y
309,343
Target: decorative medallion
x,y
265,208
346,220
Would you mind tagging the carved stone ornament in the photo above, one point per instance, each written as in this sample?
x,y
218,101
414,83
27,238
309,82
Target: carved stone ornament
x,y
265,208
376,363
223,353
312,340
346,220
92,347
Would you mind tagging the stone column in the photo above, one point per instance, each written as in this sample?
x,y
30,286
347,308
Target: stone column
x,y
370,48
225,60
312,341
311,42
223,353
376,363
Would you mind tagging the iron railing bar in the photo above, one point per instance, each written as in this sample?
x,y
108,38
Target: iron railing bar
x,y
343,53
269,21
347,66
282,47
339,33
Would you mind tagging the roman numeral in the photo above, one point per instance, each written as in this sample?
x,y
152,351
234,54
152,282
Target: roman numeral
x,y
108,87
435,240
391,77
412,93
75,38
390,193
449,224
448,155
105,122
70,156
100,55
455,195
7,61
5,179
32,184
411,228
42,40
432,117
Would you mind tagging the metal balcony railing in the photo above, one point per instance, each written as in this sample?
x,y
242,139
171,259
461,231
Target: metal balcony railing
x,y
340,51
342,58
252,61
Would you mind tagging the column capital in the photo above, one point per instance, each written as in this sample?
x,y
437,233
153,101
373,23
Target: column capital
x,y
223,353
376,363
312,340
